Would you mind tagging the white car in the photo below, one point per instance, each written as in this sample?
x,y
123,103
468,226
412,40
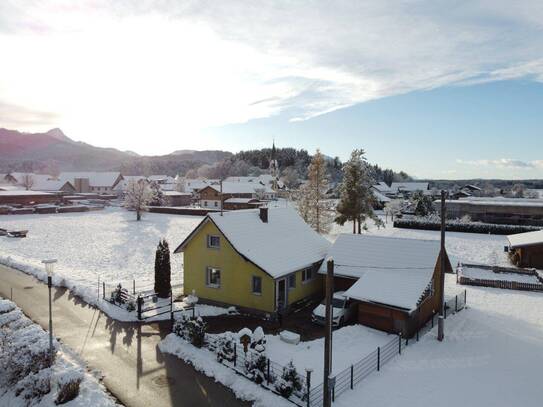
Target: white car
x,y
341,310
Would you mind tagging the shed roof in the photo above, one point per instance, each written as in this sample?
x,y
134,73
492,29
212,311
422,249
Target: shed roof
x,y
281,246
393,271
96,178
525,239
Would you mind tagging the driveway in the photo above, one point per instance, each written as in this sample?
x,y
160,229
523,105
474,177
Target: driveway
x,y
134,369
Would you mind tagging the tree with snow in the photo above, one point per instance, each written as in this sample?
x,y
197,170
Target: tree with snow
x,y
424,205
313,205
27,181
156,191
355,202
163,270
290,177
393,208
138,196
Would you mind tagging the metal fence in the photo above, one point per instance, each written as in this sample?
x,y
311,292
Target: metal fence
x,y
354,374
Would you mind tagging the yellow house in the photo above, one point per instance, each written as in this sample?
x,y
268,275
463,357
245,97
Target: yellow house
x,y
261,260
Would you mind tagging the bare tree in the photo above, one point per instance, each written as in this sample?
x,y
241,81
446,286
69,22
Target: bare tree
x,y
393,208
27,181
138,196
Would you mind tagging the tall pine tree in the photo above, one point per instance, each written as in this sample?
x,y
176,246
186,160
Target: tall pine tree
x,y
163,270
313,205
356,198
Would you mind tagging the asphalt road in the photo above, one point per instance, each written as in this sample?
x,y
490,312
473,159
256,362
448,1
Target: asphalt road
x,y
134,369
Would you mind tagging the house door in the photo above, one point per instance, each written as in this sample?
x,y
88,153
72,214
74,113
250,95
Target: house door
x,y
281,294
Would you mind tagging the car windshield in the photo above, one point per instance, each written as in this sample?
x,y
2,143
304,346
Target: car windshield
x,y
336,303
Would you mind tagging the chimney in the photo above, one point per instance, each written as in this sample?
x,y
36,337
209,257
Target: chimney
x,y
264,214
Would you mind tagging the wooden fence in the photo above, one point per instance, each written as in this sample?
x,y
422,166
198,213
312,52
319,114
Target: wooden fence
x,y
510,285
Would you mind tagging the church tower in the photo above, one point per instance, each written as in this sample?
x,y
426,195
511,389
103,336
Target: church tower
x,y
274,167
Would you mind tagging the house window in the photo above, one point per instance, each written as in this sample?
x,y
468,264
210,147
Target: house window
x,y
205,203
257,285
307,274
292,281
213,277
216,204
213,242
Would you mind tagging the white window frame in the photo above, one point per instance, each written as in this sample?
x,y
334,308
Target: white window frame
x,y
208,241
208,277
306,280
253,285
293,287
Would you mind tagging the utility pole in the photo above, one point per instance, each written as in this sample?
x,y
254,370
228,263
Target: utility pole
x,y
441,321
327,397
220,183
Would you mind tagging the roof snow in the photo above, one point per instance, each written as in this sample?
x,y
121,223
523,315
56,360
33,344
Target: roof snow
x,y
393,271
240,200
241,188
409,186
96,179
283,245
525,239
380,197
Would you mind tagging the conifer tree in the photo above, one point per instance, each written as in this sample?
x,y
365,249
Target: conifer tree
x,y
313,205
162,270
355,194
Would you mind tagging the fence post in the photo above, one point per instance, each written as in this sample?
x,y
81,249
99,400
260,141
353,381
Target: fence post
x,y
308,383
378,358
171,306
400,343
433,315
445,311
134,286
235,354
352,377
456,303
140,303
104,289
417,336
334,393
268,371
465,295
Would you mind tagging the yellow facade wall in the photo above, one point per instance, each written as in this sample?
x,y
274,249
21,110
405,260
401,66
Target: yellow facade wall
x,y
236,275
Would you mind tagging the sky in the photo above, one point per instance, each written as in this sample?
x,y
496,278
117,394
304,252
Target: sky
x,y
439,89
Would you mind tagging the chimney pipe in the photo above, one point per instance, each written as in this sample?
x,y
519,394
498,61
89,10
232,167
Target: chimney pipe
x,y
264,214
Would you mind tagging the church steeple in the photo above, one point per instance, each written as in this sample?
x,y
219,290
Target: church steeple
x,y
274,166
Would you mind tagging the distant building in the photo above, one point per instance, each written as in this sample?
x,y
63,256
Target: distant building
x,y
210,195
95,182
512,211
174,198
23,197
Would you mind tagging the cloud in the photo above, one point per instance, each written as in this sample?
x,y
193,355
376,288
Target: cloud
x,y
504,163
173,68
12,116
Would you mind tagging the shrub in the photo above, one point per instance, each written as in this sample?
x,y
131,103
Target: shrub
x,y
225,348
456,225
256,365
34,386
68,385
289,382
192,330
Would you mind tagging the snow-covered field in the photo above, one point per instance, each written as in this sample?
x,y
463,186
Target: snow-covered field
x,y
18,332
109,244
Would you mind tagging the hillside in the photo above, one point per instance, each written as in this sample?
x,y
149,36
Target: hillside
x,y
40,151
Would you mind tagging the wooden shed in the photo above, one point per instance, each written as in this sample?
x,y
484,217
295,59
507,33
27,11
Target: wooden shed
x,y
393,281
526,249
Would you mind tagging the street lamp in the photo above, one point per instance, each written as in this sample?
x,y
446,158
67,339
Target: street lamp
x,y
49,267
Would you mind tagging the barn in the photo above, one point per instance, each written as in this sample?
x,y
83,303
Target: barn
x,y
393,282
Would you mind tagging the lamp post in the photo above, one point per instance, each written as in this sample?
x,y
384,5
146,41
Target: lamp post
x,y
49,267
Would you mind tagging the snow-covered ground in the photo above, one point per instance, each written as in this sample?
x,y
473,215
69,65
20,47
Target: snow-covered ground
x,y
492,356
461,247
18,330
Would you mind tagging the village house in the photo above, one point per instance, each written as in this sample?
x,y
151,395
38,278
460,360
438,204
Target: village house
x,y
392,282
24,197
210,195
233,204
174,198
526,249
258,260
92,182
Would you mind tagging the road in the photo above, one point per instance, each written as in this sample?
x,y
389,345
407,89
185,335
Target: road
x,y
134,369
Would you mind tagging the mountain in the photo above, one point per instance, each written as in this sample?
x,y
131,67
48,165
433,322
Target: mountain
x,y
40,151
